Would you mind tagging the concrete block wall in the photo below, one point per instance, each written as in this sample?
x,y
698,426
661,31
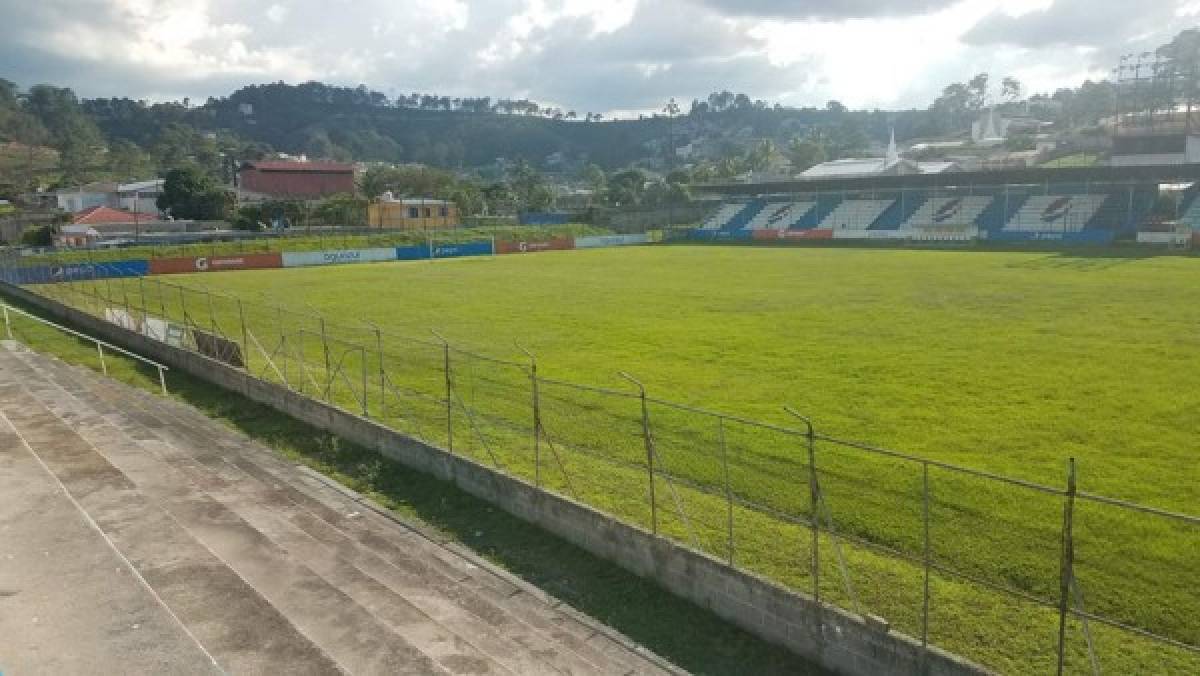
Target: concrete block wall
x,y
834,638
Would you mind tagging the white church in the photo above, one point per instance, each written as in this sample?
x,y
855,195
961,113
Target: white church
x,y
891,164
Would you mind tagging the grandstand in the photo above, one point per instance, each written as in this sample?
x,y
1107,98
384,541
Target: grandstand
x,y
1083,204
947,211
853,214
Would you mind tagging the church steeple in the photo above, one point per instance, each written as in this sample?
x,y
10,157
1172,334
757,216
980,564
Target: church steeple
x,y
893,155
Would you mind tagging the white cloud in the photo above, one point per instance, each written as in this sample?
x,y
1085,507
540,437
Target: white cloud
x,y
598,55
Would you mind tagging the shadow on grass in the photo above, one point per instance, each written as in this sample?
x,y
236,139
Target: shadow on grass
x,y
685,634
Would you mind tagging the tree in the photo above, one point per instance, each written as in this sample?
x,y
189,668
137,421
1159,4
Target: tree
x,y
126,161
804,153
342,210
190,194
529,187
1010,89
625,188
38,236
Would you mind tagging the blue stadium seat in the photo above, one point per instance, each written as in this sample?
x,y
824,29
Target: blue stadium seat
x,y
825,206
898,214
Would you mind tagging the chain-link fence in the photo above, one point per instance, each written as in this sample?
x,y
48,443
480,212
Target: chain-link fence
x,y
1066,579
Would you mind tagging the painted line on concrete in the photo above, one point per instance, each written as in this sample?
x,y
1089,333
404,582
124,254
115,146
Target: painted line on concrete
x,y
96,527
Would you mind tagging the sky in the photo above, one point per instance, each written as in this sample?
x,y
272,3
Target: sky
x,y
609,56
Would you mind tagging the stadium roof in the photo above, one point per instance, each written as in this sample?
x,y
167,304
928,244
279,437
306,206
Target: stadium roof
x,y
1174,173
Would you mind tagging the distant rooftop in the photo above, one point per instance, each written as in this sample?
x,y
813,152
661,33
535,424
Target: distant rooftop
x,y
316,167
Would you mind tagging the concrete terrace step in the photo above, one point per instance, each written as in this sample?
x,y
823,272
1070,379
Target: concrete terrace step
x,y
62,583
234,624
405,600
571,644
348,633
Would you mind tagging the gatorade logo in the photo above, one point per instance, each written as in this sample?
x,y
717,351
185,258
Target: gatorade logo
x,y
202,264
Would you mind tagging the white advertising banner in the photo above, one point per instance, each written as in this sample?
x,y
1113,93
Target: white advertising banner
x,y
296,259
1172,238
598,241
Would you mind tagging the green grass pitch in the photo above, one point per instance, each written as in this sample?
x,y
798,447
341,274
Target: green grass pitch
x,y
1005,362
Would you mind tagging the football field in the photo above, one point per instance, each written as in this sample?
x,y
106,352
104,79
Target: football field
x,y
1009,363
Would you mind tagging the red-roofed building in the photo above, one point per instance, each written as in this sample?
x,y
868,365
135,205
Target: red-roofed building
x,y
296,180
104,215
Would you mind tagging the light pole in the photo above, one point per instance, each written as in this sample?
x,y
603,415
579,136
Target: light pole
x,y
672,109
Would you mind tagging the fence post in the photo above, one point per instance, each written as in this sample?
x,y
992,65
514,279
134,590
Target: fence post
x,y
649,443
382,372
449,392
362,350
325,352
212,316
925,519
814,496
1068,561
245,338
7,324
283,346
537,417
162,306
728,488
142,292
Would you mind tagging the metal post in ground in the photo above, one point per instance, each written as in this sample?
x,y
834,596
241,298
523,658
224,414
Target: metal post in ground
x,y
325,352
362,350
212,316
382,372
449,391
814,496
537,417
927,561
162,305
183,307
7,323
142,292
648,440
1066,570
245,337
283,346
728,488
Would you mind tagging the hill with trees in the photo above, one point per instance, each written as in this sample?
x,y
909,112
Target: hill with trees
x,y
49,137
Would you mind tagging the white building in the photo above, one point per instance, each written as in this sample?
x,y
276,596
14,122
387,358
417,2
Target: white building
x,y
891,164
79,198
140,197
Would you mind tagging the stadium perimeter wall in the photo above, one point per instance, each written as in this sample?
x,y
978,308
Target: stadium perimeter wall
x,y
44,274
831,637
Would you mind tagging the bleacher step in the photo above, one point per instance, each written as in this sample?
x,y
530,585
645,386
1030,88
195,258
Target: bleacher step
x,y
382,567
232,621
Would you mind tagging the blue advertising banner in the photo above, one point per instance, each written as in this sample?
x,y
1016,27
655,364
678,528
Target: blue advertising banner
x,y
74,272
482,248
412,253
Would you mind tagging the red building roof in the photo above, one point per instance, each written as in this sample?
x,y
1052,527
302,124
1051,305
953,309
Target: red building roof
x,y
95,215
314,167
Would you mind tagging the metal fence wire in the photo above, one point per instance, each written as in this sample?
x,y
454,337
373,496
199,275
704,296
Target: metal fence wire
x,y
917,541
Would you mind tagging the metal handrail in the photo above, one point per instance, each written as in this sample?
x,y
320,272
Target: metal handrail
x,y
100,344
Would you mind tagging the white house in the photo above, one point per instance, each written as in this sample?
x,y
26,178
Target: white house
x,y
140,197
74,200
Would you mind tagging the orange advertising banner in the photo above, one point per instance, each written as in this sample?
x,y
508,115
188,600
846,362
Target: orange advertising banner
x,y
556,244
771,235
257,261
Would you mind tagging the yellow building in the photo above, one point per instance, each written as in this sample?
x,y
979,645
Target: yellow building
x,y
412,214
